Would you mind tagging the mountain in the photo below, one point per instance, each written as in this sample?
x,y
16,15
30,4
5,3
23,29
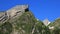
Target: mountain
x,y
24,24
56,23
55,26
21,21
15,11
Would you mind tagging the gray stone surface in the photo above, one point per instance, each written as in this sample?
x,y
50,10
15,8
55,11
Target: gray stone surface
x,y
15,11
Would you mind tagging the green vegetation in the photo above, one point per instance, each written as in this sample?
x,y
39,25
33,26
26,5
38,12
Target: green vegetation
x,y
6,28
28,24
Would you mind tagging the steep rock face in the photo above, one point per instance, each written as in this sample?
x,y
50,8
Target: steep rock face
x,y
16,10
3,17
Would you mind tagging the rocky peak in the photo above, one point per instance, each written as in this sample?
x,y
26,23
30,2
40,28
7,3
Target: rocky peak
x,y
17,10
46,22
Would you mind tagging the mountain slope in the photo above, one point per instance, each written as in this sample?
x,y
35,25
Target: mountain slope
x,y
24,24
56,23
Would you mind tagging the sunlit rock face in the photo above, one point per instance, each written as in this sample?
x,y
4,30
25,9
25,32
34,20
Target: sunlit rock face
x,y
1,13
46,22
17,10
3,17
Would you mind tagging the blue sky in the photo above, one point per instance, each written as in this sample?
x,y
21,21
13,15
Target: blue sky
x,y
42,9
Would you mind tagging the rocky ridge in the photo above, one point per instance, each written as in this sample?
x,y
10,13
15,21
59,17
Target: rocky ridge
x,y
19,20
